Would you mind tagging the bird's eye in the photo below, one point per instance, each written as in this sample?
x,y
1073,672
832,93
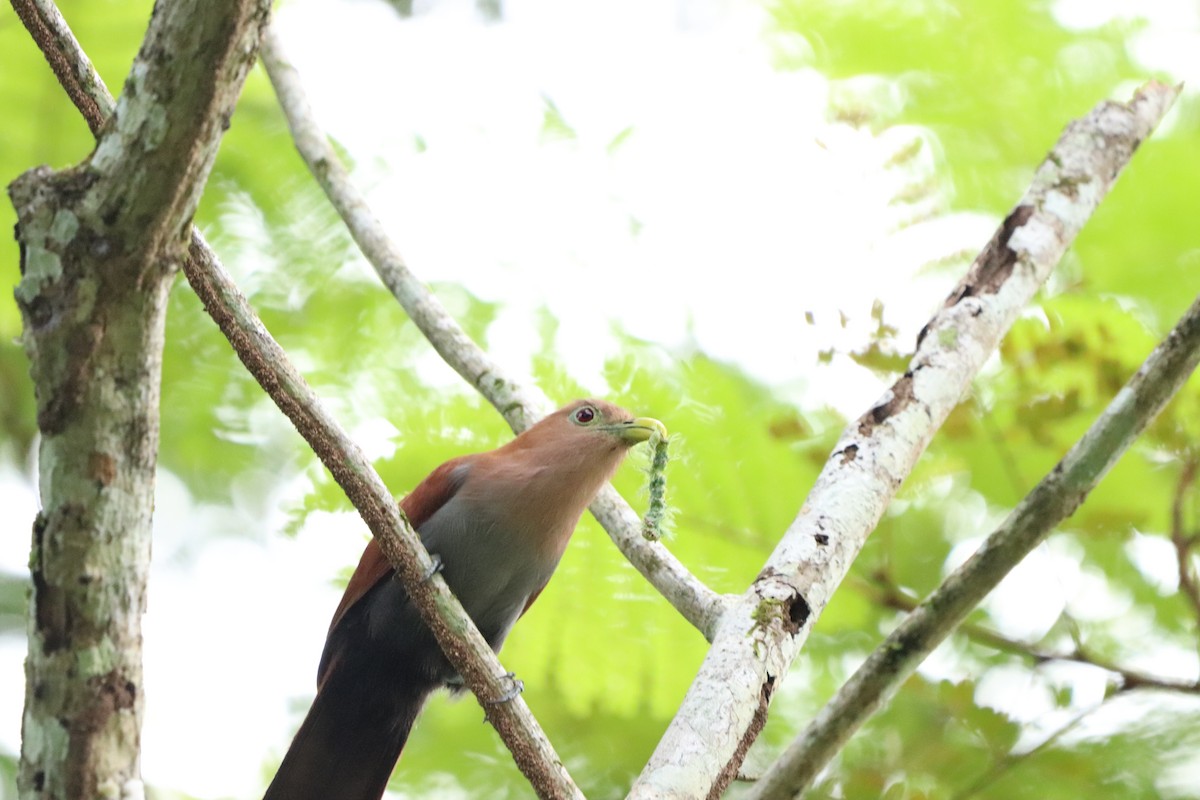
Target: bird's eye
x,y
584,415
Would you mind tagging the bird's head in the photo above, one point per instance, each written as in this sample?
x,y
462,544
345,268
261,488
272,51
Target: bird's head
x,y
590,418
583,441
544,479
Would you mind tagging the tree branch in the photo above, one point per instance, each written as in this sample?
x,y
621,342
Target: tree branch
x,y
99,245
521,406
760,635
67,60
1053,500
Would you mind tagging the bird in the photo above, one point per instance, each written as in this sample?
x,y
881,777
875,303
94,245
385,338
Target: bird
x,y
497,522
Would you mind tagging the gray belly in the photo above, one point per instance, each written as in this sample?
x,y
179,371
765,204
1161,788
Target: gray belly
x,y
487,568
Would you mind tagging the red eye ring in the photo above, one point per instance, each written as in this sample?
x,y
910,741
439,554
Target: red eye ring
x,y
584,415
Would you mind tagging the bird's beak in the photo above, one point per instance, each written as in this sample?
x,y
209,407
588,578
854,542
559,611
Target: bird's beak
x,y
640,429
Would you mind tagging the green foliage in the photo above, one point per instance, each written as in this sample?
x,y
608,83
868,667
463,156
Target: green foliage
x,y
554,124
984,75
13,590
8,777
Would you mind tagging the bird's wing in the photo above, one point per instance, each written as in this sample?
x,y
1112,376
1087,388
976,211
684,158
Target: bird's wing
x,y
420,504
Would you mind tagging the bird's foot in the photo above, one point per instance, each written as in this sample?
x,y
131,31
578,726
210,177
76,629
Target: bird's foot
x,y
514,691
434,568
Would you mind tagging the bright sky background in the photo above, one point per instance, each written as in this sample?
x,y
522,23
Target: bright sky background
x,y
731,208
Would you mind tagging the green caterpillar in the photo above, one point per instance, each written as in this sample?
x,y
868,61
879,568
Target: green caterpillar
x,y
652,522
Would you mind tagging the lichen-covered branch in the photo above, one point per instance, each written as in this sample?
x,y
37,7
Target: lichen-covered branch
x,y
521,406
762,632
99,245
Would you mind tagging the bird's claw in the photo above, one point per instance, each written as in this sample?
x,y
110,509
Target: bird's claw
x,y
434,568
518,686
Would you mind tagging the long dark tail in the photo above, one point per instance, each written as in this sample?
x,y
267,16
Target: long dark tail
x,y
350,740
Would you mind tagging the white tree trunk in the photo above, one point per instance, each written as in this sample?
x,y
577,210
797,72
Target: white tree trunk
x,y
763,631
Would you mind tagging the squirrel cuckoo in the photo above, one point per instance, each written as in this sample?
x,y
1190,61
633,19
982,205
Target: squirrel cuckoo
x,y
499,522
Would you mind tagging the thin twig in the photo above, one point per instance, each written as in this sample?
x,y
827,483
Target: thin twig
x,y
1054,499
521,406
891,596
1183,539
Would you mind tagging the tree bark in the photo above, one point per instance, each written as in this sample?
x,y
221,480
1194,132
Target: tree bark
x,y
99,247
